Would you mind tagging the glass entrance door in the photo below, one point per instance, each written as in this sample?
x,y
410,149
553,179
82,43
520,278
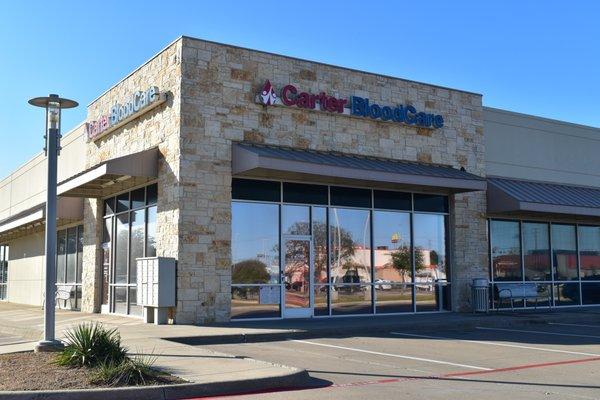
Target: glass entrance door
x,y
296,277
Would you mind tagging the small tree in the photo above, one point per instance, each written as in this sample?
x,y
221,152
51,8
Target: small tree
x,y
250,271
401,261
434,259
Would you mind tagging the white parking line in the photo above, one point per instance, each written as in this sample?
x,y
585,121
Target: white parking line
x,y
518,346
537,332
393,355
581,325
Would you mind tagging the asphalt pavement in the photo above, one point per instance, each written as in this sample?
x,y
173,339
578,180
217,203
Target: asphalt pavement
x,y
547,361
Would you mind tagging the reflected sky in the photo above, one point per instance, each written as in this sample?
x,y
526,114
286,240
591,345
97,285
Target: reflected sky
x,y
255,232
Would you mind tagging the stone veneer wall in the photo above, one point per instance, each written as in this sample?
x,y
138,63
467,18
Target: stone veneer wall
x,y
219,85
158,127
212,104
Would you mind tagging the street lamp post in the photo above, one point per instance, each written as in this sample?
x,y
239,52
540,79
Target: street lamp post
x,y
53,105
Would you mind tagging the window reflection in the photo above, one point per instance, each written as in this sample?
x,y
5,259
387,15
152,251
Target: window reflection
x,y
61,262
393,298
350,245
506,250
134,237
319,235
391,239
536,250
346,244
151,232
255,243
589,252
3,271
122,248
564,251
138,222
430,248
255,301
295,220
351,299
590,292
566,294
71,255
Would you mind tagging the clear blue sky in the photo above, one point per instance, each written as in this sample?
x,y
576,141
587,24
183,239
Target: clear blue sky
x,y
536,57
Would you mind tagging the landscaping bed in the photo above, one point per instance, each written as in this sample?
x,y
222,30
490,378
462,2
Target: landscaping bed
x,y
38,371
92,358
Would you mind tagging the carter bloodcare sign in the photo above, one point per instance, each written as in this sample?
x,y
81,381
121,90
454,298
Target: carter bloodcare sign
x,y
120,114
357,106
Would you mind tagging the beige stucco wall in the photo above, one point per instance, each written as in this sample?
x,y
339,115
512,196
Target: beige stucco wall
x,y
218,107
528,147
26,187
26,270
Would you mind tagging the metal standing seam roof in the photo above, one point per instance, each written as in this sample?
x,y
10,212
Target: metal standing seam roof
x,y
548,193
359,162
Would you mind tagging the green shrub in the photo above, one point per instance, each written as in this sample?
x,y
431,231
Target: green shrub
x,y
136,370
90,344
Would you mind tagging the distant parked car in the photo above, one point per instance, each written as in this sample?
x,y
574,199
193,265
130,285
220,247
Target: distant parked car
x,y
383,284
424,281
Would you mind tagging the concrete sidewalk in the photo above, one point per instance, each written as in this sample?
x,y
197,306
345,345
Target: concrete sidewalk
x,y
27,322
211,373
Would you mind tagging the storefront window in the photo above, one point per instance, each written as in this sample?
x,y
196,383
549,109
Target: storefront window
x,y
134,225
350,244
151,232
352,230
121,248
69,264
506,250
566,275
430,260
71,254
255,260
295,220
138,235
319,234
589,252
392,247
61,261
3,272
536,252
255,243
564,252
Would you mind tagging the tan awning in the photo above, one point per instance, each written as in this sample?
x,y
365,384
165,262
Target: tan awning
x,y
510,196
318,166
32,220
112,176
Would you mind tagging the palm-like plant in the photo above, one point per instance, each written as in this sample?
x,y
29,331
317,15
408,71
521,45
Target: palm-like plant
x,y
90,344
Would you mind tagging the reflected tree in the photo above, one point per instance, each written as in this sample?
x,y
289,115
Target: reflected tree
x,y
341,239
401,261
250,271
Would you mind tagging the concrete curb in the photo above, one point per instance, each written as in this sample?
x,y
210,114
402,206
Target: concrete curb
x,y
291,378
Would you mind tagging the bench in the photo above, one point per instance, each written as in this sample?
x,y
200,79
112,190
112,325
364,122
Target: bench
x,y
520,291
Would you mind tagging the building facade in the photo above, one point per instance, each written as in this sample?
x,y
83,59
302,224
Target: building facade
x,y
285,188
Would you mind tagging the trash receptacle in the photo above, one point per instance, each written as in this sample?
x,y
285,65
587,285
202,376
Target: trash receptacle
x,y
480,295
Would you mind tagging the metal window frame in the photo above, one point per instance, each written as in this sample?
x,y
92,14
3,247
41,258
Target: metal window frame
x,y
76,285
112,285
554,282
371,210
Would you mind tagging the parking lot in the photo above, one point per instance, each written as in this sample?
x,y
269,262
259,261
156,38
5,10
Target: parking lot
x,y
544,361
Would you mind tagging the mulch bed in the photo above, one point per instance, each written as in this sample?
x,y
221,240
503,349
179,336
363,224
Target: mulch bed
x,y
37,371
